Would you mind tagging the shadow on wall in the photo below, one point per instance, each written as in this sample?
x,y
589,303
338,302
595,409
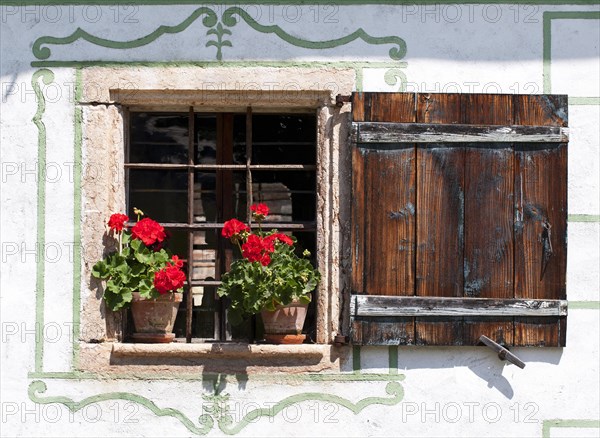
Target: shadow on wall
x,y
483,362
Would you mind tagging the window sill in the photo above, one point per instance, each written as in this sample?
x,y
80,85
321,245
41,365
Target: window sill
x,y
221,351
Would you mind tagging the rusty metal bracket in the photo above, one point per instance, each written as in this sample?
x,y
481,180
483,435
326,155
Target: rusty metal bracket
x,y
503,353
340,100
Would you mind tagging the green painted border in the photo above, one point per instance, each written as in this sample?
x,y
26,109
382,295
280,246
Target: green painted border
x,y
584,218
210,20
194,377
44,52
47,77
393,359
38,386
587,305
548,16
294,2
207,64
356,359
217,405
584,100
77,169
549,424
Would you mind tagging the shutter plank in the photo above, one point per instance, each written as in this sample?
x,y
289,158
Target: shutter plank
x,y
383,218
540,271
440,220
541,199
544,110
358,223
383,107
390,228
440,210
382,331
488,254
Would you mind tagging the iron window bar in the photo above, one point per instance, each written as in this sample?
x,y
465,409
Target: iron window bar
x,y
223,256
172,166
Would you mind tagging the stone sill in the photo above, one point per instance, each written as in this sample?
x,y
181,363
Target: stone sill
x,y
220,351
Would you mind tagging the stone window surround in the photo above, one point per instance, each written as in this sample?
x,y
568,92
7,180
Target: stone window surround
x,y
105,91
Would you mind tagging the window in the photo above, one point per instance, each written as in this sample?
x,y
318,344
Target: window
x,y
193,171
458,219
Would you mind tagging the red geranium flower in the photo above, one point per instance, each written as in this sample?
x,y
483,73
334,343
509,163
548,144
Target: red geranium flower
x,y
233,228
260,211
281,237
117,222
148,231
169,279
257,249
177,261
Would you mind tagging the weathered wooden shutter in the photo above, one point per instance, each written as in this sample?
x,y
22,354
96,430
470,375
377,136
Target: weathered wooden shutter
x,y
459,218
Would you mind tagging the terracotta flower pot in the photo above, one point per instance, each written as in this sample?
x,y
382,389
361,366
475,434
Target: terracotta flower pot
x,y
284,324
154,319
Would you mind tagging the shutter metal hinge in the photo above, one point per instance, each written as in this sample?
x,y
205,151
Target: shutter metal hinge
x,y
340,100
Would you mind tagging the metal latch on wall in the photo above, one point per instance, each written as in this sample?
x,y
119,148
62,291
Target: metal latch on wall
x,y
503,353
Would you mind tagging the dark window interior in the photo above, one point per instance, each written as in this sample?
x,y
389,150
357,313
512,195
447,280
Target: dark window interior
x,y
193,171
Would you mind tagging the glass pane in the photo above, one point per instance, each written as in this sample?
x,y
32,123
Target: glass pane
x,y
205,196
205,201
306,240
206,139
290,195
158,138
203,314
177,243
284,139
160,194
239,139
238,196
204,254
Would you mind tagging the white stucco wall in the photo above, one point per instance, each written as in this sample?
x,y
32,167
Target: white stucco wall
x,y
434,391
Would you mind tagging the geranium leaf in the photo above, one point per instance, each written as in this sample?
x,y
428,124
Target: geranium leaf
x,y
137,270
100,270
135,244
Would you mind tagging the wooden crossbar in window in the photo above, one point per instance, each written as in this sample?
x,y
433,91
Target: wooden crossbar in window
x,y
389,132
384,306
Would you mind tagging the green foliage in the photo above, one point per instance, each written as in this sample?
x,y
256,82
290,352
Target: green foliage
x,y
130,270
252,287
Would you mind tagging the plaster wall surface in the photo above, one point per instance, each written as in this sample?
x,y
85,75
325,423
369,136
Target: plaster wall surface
x,y
63,67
